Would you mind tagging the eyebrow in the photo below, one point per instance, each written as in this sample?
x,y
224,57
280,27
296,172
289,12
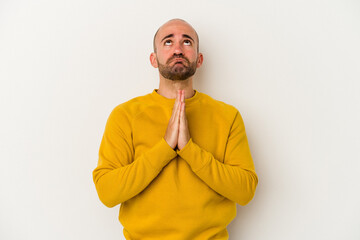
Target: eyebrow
x,y
168,36
172,35
187,36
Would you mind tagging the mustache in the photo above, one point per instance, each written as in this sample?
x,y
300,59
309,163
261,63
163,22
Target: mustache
x,y
177,56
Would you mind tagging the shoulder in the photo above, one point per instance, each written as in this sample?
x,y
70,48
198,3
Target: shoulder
x,y
130,108
222,110
217,106
134,105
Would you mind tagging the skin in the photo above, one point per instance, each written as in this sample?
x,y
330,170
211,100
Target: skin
x,y
176,38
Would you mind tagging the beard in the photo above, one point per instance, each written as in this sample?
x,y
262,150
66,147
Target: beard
x,y
178,71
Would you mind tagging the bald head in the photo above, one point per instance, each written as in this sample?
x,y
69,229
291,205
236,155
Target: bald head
x,y
177,22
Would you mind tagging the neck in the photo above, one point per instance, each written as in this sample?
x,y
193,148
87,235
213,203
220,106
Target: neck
x,y
168,88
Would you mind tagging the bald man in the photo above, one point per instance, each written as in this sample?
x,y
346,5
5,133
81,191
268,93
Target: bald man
x,y
176,159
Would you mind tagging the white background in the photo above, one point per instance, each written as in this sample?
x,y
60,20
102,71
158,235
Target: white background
x,y
292,68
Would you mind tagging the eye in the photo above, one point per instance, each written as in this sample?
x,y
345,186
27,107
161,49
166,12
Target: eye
x,y
187,42
167,43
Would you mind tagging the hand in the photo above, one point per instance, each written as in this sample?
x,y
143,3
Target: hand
x,y
184,134
177,133
172,130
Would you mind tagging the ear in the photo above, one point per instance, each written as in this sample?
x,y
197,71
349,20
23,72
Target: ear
x,y
200,60
153,60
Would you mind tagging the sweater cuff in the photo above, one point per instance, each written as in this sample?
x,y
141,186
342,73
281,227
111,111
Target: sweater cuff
x,y
160,155
193,155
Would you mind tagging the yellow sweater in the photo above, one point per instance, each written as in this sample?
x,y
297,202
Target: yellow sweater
x,y
170,194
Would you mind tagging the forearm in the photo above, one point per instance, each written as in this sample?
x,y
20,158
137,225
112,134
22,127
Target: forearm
x,y
233,182
116,185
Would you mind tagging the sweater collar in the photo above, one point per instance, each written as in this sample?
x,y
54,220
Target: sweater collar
x,y
170,102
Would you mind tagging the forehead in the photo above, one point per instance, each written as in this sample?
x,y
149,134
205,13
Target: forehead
x,y
176,28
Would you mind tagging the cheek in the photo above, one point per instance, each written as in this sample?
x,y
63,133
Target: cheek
x,y
161,58
192,56
164,56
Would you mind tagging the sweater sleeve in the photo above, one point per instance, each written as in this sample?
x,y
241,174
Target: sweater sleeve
x,y
234,179
118,176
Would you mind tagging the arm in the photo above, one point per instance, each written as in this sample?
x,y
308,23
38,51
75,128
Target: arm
x,y
118,177
234,179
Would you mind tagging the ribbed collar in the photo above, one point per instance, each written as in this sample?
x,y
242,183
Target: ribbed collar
x,y
170,102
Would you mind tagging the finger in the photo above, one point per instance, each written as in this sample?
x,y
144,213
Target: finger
x,y
178,95
176,104
184,134
178,112
182,113
182,102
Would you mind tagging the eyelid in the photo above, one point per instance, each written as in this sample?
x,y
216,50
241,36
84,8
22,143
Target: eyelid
x,y
167,41
188,41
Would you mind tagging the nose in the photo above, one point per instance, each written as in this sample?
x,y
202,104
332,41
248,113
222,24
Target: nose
x,y
178,49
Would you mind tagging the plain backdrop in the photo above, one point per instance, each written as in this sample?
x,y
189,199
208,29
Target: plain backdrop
x,y
292,68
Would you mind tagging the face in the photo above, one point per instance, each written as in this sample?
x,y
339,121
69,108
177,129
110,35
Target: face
x,y
176,53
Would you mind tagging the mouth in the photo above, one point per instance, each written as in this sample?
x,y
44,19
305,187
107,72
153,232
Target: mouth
x,y
179,61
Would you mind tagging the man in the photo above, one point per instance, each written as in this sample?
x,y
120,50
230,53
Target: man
x,y
177,160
